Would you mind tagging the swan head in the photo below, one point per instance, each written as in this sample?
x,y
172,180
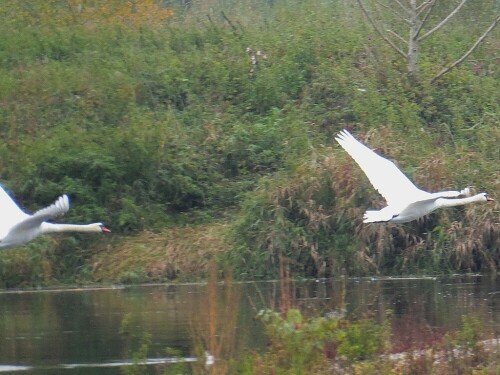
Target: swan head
x,y
102,228
487,197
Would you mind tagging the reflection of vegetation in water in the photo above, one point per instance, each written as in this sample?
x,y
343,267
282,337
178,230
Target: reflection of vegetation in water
x,y
137,344
214,332
178,365
138,356
305,341
321,343
318,345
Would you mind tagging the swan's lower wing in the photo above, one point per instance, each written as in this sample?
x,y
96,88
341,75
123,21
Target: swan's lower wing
x,y
395,187
419,208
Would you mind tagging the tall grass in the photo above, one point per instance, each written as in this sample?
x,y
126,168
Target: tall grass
x,y
314,219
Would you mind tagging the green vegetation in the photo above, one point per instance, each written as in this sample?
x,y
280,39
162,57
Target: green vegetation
x,y
300,345
305,340
151,124
305,346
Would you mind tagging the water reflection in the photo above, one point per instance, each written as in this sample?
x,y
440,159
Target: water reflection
x,y
74,329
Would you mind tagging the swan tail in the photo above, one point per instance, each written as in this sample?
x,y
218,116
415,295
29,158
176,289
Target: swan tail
x,y
377,216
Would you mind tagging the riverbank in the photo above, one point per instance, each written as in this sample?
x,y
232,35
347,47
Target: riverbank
x,y
178,254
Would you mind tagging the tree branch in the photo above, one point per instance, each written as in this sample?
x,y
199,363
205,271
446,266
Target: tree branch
x,y
393,11
379,32
474,46
233,28
426,16
398,36
443,22
402,6
422,7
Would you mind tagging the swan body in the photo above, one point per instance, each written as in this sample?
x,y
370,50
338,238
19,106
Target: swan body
x,y
405,201
18,227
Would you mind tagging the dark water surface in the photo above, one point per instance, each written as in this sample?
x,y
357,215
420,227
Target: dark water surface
x,y
97,330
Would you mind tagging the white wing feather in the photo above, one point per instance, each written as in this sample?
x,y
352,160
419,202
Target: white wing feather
x,y
58,208
13,218
10,213
395,187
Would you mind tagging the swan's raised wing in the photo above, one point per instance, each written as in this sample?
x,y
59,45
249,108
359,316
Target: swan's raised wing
x,y
383,174
58,208
10,213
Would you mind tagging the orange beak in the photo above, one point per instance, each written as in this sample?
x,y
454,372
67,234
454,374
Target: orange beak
x,y
104,229
489,199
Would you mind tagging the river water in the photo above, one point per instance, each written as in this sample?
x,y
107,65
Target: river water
x,y
81,331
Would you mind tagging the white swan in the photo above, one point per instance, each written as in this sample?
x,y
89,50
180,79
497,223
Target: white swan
x,y
405,202
17,227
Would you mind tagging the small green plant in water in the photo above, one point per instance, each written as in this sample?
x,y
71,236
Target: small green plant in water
x,y
298,342
139,356
361,340
301,345
178,365
470,334
138,344
465,349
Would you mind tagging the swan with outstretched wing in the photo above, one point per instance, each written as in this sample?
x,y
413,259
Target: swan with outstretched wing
x,y
405,201
17,227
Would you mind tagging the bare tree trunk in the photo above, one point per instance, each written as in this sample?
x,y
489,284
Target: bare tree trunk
x,y
413,42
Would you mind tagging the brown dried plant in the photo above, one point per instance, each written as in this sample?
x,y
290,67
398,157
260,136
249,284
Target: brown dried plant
x,y
214,333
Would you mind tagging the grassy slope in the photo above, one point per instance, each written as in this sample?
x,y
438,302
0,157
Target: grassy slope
x,y
166,125
182,253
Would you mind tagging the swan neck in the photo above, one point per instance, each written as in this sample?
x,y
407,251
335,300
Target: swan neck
x,y
450,202
54,228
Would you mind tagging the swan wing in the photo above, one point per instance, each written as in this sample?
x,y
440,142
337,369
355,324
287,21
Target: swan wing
x,y
58,208
395,187
10,213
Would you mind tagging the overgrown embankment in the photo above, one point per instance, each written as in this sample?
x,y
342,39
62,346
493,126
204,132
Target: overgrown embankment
x,y
182,253
152,123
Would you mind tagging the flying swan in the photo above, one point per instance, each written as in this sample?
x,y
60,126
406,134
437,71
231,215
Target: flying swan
x,y
17,227
405,202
